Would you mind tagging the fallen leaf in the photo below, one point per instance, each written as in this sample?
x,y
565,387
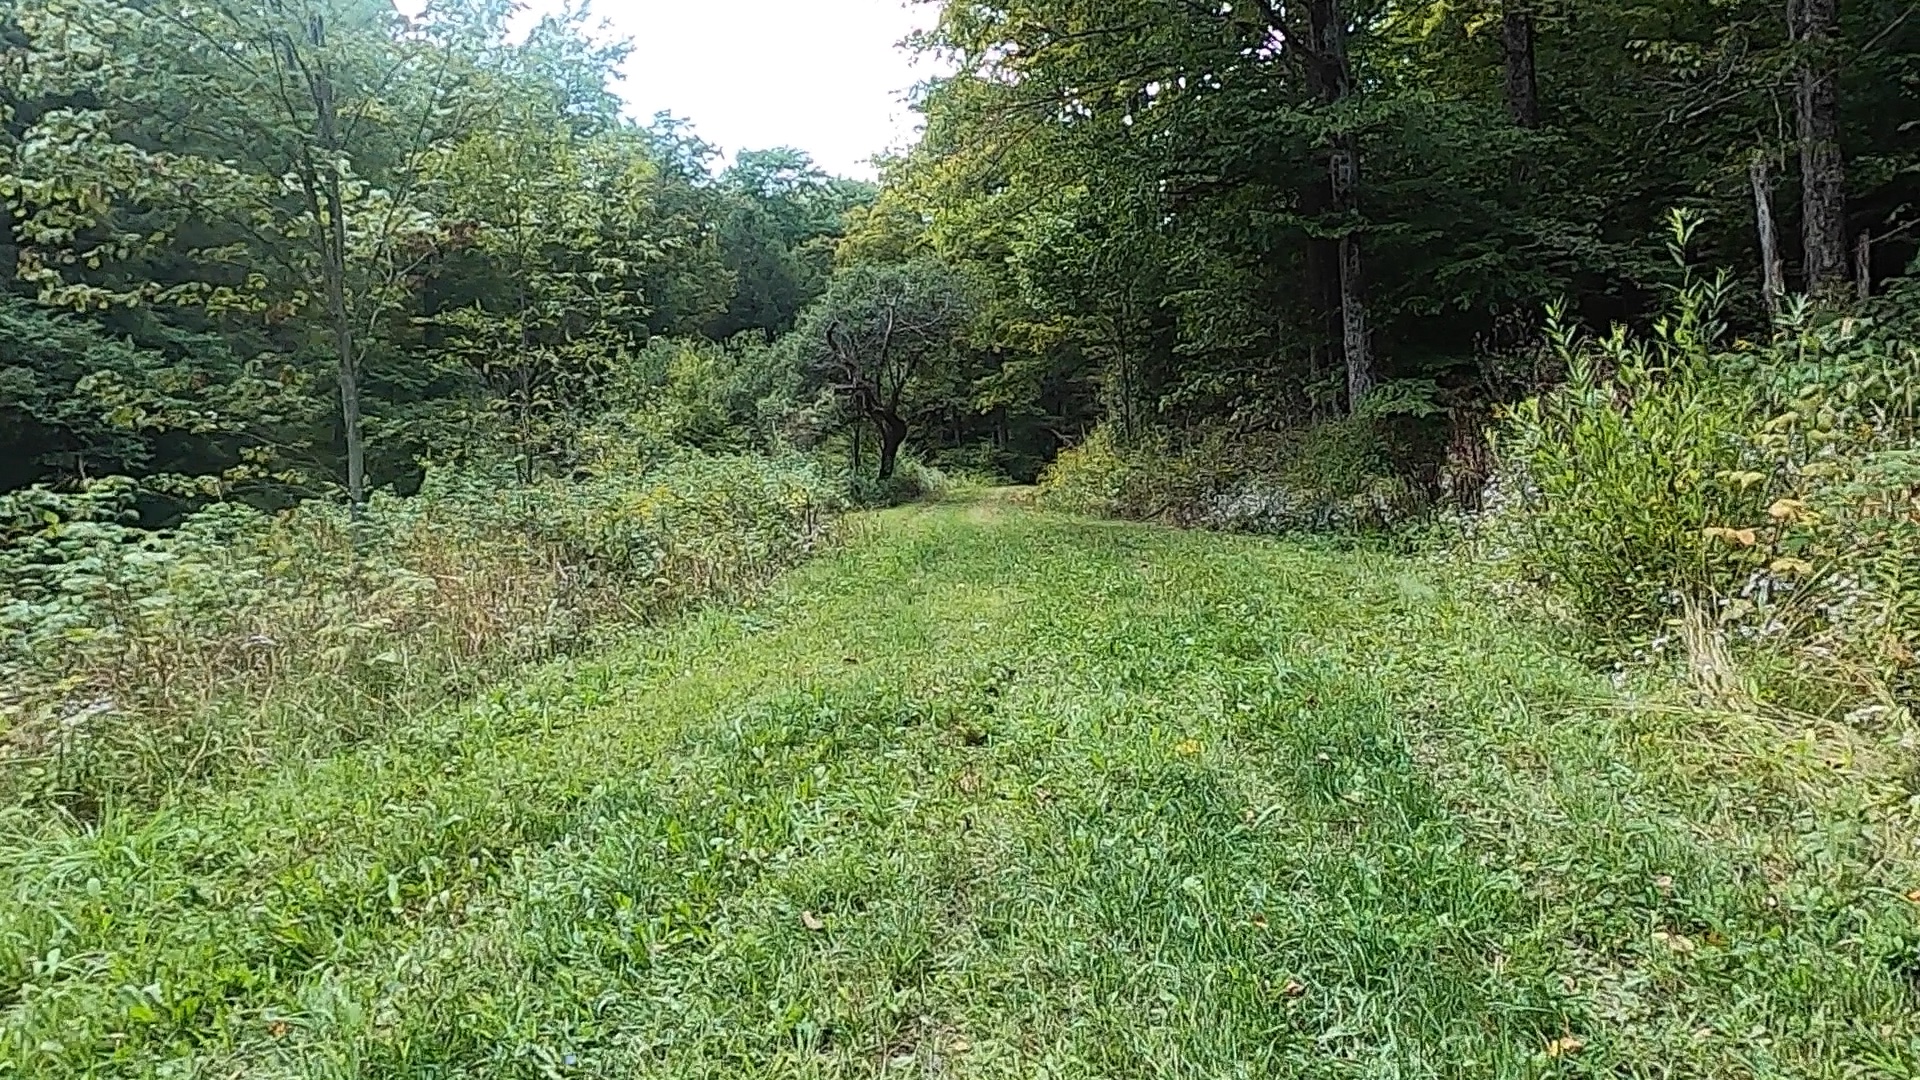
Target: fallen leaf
x,y
1679,943
969,783
1787,510
1293,988
1188,748
1259,920
811,921
1914,896
1042,796
959,1046
1565,1045
278,1029
1664,883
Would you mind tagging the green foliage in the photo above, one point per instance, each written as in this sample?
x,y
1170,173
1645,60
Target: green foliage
x,y
875,342
1341,476
1620,472
138,661
1770,485
912,481
1141,195
77,396
935,804
262,221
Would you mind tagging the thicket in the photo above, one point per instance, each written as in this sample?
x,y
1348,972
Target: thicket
x,y
136,661
1743,500
1340,476
1189,223
1285,267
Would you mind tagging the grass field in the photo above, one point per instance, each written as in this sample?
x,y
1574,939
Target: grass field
x,y
991,793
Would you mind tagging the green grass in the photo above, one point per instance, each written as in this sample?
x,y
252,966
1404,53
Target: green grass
x,y
995,793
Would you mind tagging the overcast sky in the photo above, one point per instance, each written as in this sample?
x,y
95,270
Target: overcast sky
x,y
822,75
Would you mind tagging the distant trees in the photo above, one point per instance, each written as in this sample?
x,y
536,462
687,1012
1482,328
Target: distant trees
x,y
450,232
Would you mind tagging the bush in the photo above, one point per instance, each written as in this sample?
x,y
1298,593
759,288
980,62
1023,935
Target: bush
x,y
1618,474
912,481
137,661
1335,477
1775,486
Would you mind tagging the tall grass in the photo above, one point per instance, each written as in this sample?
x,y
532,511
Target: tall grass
x,y
1347,475
135,661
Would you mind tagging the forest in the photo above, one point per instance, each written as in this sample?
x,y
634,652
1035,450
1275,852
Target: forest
x,y
1328,537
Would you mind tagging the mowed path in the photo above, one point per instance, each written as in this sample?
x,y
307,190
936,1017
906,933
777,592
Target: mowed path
x,y
992,793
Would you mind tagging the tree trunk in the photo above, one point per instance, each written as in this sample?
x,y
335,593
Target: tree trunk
x,y
1333,79
1822,169
1357,339
348,376
1863,266
1523,79
333,268
1323,287
1773,277
9,249
334,273
893,432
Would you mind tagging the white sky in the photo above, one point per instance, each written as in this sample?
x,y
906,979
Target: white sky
x,y
826,76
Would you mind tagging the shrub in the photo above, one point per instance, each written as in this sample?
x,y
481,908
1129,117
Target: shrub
x,y
1775,486
136,661
1618,473
912,481
1340,476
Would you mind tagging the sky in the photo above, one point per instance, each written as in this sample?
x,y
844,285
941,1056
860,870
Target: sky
x,y
826,76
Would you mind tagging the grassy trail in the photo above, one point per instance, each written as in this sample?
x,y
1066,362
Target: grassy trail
x,y
991,793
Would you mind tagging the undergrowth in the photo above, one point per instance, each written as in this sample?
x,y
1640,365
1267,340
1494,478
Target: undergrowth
x,y
137,661
1757,499
1342,476
990,793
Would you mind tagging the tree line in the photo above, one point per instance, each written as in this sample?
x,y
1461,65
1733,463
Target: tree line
x,y
1261,214
275,249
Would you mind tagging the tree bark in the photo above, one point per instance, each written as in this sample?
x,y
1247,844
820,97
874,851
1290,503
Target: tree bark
x,y
1523,77
1863,266
1356,337
1333,79
893,432
1773,277
1822,169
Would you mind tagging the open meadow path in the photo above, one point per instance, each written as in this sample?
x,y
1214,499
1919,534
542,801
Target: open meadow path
x,y
987,792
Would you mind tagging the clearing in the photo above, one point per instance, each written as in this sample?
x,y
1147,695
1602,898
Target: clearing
x,y
989,792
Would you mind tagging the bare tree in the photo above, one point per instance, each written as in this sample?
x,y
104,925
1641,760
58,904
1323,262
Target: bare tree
x,y
1773,279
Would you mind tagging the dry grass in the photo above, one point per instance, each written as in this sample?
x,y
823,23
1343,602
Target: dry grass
x,y
217,651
